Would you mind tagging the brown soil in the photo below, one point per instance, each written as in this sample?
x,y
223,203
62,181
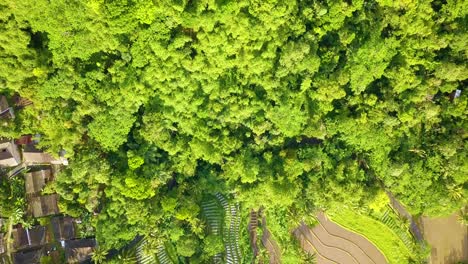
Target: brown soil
x,y
333,244
253,224
332,253
358,254
308,247
448,239
270,244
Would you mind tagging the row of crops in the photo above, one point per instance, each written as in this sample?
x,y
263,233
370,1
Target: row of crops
x,y
222,219
390,219
161,256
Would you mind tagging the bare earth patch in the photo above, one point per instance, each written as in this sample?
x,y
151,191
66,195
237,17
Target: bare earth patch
x,y
448,239
334,244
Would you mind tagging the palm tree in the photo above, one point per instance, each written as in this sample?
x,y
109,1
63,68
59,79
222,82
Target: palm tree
x,y
127,256
99,255
455,192
310,258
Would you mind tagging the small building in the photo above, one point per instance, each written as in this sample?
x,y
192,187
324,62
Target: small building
x,y
39,206
24,140
6,112
29,256
27,238
9,153
79,250
33,155
63,228
35,181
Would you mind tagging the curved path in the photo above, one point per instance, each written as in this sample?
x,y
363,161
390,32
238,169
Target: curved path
x,y
334,244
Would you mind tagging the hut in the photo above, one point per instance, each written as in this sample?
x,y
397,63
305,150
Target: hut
x,y
39,206
6,112
9,153
35,181
29,237
63,228
79,250
24,140
29,256
32,155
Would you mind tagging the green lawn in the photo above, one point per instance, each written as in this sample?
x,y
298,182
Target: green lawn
x,y
383,237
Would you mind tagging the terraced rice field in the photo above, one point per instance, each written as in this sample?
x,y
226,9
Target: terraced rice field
x,y
214,218
448,239
334,244
163,257
142,257
231,231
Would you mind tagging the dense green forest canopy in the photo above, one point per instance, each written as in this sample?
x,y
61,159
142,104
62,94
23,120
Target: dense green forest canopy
x,y
289,105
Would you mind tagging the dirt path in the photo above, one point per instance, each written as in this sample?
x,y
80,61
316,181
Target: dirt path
x,y
270,244
333,244
448,239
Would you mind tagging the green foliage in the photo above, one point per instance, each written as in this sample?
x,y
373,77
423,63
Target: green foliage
x,y
289,105
379,234
213,245
187,246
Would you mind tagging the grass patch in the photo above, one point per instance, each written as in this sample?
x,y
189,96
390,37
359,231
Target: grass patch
x,y
378,233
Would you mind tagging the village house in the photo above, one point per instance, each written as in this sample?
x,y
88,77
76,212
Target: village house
x,y
34,156
29,237
79,250
30,256
40,206
9,153
63,228
35,181
6,112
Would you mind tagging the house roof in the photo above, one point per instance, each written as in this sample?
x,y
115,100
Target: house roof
x,y
79,250
25,238
36,180
37,157
33,155
5,110
9,154
44,205
30,256
24,140
63,228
